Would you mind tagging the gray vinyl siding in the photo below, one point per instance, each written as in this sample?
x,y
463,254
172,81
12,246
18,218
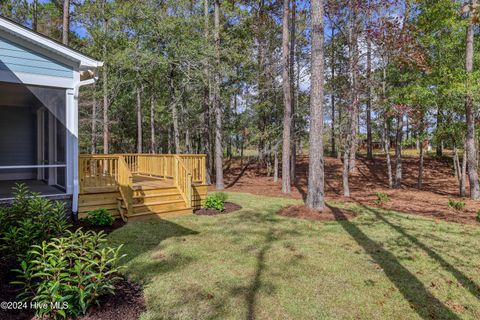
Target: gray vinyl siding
x,y
16,58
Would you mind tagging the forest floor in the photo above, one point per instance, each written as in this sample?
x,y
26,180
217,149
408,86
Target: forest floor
x,y
256,264
370,177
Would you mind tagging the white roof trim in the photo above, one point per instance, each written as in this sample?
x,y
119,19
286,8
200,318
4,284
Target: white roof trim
x,y
84,61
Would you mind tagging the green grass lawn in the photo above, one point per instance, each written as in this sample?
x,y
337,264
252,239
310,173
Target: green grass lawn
x,y
255,264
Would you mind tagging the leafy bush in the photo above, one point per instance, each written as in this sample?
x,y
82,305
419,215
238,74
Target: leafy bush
x,y
478,216
29,220
100,217
216,201
457,205
71,271
381,198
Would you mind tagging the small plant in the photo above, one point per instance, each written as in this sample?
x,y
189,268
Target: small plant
x,y
381,198
457,205
68,274
478,216
216,201
100,217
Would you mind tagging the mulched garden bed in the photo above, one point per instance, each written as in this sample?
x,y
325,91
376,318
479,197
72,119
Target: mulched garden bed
x,y
328,214
229,207
118,223
127,303
8,292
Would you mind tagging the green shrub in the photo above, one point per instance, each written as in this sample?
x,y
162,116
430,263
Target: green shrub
x,y
381,198
216,201
478,216
100,217
75,270
457,205
29,220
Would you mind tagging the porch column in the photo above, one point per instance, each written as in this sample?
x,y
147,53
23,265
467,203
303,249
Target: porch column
x,y
72,147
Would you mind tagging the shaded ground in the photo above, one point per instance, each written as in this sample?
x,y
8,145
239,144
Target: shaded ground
x,y
369,177
302,212
229,207
255,264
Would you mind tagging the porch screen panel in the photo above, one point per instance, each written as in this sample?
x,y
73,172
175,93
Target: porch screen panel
x,y
17,142
54,101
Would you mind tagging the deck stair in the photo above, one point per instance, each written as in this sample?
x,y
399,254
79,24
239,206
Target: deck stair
x,y
154,196
137,185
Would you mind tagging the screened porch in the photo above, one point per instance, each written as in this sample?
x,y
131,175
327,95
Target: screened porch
x,y
33,139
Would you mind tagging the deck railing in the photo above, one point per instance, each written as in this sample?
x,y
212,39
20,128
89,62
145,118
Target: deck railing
x,y
98,171
125,183
183,180
107,172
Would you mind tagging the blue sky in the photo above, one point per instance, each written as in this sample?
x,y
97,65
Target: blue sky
x,y
74,27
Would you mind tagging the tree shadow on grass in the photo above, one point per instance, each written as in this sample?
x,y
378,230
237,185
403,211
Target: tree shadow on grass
x,y
251,291
466,282
255,285
143,236
421,300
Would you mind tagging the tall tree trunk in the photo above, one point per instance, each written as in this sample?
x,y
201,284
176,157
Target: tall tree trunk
x,y
386,129
293,155
174,110
332,96
35,15
275,163
463,178
460,170
354,65
66,21
139,119
369,93
470,114
351,141
216,100
315,195
153,104
106,103
439,147
170,140
420,167
94,122
287,101
398,152
188,141
207,143
387,151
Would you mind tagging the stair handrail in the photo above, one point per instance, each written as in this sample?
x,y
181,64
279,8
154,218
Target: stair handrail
x,y
125,186
183,180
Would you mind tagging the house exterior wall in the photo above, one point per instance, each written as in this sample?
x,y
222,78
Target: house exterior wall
x,y
17,58
32,59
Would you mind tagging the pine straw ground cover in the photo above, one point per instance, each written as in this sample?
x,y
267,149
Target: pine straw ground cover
x,y
256,264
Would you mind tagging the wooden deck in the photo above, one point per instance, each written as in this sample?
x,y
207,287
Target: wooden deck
x,y
136,185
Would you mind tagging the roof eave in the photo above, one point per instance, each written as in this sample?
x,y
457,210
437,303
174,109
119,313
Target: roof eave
x,y
84,61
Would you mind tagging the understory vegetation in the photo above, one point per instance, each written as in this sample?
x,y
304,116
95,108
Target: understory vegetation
x,y
100,217
63,271
216,201
256,264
